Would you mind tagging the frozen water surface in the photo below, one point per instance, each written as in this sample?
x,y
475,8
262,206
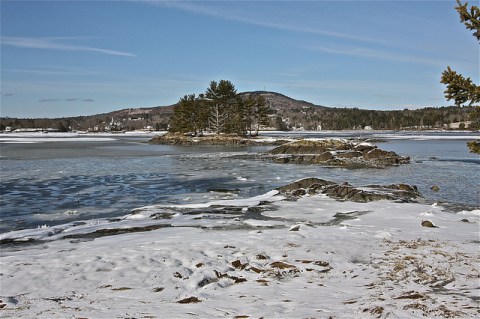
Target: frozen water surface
x,y
71,178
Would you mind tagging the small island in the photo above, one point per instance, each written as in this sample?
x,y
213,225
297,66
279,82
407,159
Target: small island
x,y
182,139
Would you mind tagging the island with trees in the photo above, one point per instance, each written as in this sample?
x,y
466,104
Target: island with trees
x,y
220,116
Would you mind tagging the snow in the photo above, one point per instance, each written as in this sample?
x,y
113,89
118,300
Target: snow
x,y
316,257
39,137
430,136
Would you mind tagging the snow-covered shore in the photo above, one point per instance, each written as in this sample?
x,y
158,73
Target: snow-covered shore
x,y
316,257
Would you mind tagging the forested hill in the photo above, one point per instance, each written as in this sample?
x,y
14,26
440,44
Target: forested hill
x,y
285,113
298,114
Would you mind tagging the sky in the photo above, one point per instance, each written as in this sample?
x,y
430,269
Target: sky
x,y
70,58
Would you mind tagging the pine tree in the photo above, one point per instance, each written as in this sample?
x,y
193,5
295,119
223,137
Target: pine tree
x,y
459,88
470,19
187,115
261,113
221,99
249,109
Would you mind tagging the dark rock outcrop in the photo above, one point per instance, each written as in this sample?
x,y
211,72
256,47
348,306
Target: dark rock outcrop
x,y
335,152
345,191
212,140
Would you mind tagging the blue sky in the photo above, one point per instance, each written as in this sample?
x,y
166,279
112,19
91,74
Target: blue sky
x,y
67,58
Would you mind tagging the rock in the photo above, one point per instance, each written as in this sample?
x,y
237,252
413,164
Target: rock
x,y
304,184
352,154
335,152
435,188
235,279
295,228
345,191
465,220
238,264
299,192
427,223
281,265
189,300
474,146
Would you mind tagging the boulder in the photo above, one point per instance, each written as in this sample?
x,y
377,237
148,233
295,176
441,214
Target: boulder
x,y
305,184
345,191
427,223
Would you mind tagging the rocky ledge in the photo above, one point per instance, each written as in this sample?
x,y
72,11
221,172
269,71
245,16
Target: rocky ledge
x,y
214,140
345,191
335,152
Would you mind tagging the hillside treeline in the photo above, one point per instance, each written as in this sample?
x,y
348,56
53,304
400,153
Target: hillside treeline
x,y
280,113
347,119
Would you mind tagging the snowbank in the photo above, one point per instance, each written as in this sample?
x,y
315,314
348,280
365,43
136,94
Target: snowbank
x,y
315,257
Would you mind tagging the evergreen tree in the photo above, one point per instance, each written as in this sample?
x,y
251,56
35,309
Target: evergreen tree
x,y
459,88
470,19
187,115
221,98
261,113
248,106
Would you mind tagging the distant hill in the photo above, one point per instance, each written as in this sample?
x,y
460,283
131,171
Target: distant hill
x,y
280,102
285,113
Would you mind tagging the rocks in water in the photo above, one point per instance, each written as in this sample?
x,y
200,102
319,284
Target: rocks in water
x,y
345,191
474,146
335,152
435,188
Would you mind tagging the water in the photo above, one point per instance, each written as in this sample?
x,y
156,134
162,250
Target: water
x,y
51,181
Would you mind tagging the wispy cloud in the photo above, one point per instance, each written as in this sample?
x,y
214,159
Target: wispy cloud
x,y
377,54
207,10
54,44
49,100
71,99
55,71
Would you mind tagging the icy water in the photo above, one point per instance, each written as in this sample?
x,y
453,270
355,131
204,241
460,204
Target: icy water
x,y
55,179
